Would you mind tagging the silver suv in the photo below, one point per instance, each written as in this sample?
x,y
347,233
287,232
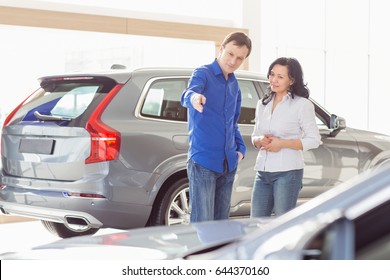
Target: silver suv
x,y
96,150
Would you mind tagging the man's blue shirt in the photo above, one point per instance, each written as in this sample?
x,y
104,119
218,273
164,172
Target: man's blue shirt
x,y
213,134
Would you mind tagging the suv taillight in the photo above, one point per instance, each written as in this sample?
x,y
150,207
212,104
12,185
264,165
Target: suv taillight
x,y
14,111
105,141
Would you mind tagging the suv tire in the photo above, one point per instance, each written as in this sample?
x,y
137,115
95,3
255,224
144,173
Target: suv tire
x,y
173,205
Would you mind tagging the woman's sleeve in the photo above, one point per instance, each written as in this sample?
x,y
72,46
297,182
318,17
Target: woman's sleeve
x,y
311,138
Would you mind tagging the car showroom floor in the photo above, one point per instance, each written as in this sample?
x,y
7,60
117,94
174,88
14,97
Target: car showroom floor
x,y
19,236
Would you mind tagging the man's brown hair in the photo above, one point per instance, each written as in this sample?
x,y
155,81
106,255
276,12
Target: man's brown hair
x,y
240,39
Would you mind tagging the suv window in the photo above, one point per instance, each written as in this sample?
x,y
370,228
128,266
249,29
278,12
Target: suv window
x,y
75,101
162,101
249,100
62,99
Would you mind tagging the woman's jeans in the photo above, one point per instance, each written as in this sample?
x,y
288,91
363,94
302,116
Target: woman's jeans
x,y
275,191
210,193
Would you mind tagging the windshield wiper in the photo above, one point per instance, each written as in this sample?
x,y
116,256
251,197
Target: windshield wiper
x,y
50,117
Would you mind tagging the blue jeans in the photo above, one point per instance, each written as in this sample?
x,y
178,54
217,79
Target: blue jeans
x,y
277,191
210,193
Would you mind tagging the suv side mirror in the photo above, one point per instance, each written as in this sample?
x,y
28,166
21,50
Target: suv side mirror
x,y
336,124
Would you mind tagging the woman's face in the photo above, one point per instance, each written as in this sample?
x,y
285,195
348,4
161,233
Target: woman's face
x,y
279,80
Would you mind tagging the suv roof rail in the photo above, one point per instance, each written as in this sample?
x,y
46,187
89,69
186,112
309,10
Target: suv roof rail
x,y
118,66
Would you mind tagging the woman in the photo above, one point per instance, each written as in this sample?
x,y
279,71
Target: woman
x,y
285,127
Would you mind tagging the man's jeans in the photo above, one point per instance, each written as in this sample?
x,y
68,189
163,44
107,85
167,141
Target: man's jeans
x,y
210,193
277,191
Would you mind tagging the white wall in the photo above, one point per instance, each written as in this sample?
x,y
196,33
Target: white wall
x,y
341,44
29,53
343,48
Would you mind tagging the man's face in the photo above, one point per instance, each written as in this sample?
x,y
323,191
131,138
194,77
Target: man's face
x,y
231,57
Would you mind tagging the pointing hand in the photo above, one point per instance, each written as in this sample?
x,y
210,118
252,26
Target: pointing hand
x,y
198,100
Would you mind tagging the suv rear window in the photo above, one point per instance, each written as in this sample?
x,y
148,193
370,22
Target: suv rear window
x,y
62,99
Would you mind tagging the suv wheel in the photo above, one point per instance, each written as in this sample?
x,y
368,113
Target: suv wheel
x,y
174,206
65,231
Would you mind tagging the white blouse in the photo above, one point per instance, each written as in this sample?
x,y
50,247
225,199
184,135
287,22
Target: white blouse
x,y
292,118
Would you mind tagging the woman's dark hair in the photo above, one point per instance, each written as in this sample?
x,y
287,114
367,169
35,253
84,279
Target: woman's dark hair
x,y
240,39
295,73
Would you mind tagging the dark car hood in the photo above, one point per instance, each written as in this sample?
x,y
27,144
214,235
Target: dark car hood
x,y
162,242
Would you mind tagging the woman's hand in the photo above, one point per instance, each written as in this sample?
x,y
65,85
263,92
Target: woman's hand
x,y
275,144
262,141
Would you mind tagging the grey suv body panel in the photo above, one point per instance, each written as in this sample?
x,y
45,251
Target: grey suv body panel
x,y
45,174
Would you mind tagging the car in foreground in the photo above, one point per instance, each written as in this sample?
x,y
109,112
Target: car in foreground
x,y
109,150
348,222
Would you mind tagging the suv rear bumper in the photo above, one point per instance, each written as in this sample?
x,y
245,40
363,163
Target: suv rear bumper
x,y
54,206
54,215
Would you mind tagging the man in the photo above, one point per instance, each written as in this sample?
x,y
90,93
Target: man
x,y
213,99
